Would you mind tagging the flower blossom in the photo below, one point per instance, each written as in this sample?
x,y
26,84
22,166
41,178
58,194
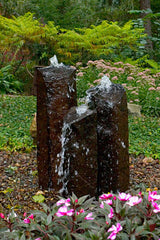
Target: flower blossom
x,y
124,196
80,211
114,229
89,216
130,78
106,196
38,239
2,215
109,202
151,88
156,206
134,201
152,196
80,74
115,78
27,220
64,201
63,211
110,215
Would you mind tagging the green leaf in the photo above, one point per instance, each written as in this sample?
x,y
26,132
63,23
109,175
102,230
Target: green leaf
x,y
38,198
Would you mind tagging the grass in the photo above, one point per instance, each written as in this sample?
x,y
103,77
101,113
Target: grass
x,y
16,114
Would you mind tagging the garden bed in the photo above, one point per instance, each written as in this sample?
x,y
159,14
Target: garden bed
x,y
19,179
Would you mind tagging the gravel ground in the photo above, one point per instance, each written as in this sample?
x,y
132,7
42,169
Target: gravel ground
x,y
19,181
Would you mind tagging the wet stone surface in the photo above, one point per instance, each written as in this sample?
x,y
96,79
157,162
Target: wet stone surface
x,y
80,167
56,94
112,130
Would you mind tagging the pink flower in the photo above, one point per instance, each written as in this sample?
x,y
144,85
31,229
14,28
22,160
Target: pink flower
x,y
109,202
124,196
114,229
31,216
2,215
38,239
97,80
134,201
151,88
134,92
24,214
26,220
158,88
110,215
100,75
115,78
130,78
64,201
80,211
63,211
89,216
80,74
152,196
156,206
106,196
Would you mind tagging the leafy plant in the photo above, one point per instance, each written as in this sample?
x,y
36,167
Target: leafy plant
x,y
16,116
8,83
142,86
114,216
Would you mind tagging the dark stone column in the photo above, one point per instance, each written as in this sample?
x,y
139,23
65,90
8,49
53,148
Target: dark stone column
x,y
79,159
112,128
56,94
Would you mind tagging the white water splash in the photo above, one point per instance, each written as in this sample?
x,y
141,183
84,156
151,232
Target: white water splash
x,y
54,62
81,109
105,83
63,173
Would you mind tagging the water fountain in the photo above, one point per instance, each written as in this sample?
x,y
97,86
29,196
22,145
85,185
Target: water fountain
x,y
80,149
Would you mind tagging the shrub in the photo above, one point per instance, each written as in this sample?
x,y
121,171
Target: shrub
x,y
8,82
142,86
114,216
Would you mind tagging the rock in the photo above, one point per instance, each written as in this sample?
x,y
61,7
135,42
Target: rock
x,y
112,128
56,94
33,128
79,169
134,109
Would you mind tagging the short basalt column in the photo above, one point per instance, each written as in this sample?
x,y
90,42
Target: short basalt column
x,y
79,169
112,128
56,94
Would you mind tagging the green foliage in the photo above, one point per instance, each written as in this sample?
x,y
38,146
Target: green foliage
x,y
134,216
8,83
16,116
142,85
71,45
39,198
17,113
144,135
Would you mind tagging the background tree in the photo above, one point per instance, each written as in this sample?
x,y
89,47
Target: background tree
x,y
145,6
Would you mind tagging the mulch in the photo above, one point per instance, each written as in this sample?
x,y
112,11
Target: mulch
x,y
19,179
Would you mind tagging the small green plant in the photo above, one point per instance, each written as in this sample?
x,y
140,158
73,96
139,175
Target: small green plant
x,y
115,216
16,117
8,83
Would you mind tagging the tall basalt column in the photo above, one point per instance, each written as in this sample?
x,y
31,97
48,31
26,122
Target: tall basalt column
x,y
112,129
56,94
79,168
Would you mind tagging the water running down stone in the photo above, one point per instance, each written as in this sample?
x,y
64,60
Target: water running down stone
x,y
80,149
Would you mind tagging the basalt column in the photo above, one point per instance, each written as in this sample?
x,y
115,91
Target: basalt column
x,y
79,168
112,130
56,94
